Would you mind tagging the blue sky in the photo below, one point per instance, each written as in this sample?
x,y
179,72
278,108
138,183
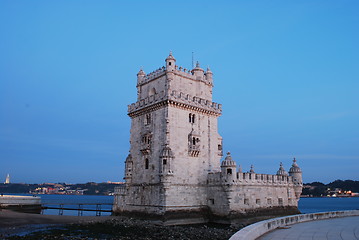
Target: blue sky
x,y
286,73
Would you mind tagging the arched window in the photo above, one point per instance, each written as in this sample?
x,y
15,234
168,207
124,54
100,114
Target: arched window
x,y
146,163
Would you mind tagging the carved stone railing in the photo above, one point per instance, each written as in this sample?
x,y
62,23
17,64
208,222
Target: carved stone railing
x,y
120,190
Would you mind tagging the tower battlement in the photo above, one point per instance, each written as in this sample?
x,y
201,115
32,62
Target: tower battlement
x,y
250,178
205,77
181,99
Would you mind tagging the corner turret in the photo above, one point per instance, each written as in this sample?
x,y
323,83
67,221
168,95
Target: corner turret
x,y
282,171
198,72
228,167
209,76
296,173
252,169
170,62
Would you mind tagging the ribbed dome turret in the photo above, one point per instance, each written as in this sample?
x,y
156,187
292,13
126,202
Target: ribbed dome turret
x,y
170,57
228,162
295,168
166,152
252,169
281,170
141,73
197,68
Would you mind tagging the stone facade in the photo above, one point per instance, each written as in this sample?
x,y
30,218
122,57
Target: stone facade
x,y
173,168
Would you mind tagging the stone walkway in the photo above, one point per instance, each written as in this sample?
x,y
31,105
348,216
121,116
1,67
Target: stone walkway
x,y
346,228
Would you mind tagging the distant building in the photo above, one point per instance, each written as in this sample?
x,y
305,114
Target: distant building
x,y
7,179
174,169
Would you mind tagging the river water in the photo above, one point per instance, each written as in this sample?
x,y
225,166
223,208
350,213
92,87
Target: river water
x,y
305,205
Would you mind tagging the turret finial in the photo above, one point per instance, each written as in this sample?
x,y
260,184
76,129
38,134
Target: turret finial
x,y
252,169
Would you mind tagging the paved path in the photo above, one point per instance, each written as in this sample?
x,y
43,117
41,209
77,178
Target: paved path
x,y
346,228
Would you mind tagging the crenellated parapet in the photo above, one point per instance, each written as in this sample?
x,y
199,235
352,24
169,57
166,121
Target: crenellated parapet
x,y
146,102
145,78
175,98
196,74
193,102
238,178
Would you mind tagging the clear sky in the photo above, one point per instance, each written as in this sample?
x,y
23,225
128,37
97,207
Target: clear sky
x,y
285,71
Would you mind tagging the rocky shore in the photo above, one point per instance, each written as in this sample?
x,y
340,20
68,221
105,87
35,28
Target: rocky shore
x,y
32,226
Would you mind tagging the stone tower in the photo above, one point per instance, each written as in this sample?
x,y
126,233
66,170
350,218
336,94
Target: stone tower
x,y
173,170
174,142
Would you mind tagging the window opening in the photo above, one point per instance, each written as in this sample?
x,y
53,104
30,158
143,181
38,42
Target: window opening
x,y
148,119
146,163
191,117
229,171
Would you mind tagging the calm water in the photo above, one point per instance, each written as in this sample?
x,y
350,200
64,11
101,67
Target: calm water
x,y
309,205
73,201
306,205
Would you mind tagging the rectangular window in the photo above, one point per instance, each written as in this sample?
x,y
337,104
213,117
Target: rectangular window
x,y
148,119
246,201
258,201
191,117
280,201
269,201
146,163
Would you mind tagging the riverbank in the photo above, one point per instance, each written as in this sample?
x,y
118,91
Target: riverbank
x,y
15,225
12,222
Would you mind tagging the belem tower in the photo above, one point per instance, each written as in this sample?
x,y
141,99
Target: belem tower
x,y
174,169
